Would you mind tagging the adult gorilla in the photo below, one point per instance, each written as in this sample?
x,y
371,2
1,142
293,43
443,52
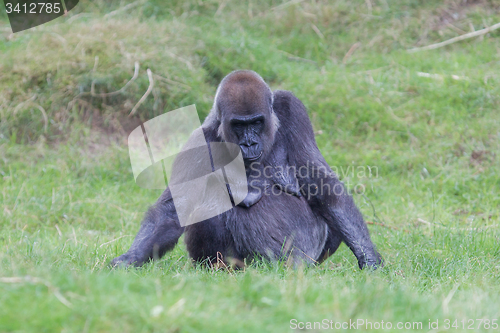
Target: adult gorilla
x,y
296,207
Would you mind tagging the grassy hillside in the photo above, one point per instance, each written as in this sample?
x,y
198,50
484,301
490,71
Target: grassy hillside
x,y
427,123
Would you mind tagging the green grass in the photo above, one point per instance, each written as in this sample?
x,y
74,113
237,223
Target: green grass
x,y
69,203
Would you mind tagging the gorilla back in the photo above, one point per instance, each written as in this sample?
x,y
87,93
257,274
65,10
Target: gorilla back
x,y
295,208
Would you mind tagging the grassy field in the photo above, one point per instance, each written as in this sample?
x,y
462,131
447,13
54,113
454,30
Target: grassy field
x,y
427,122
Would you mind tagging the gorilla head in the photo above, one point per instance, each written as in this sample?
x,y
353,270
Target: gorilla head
x,y
244,106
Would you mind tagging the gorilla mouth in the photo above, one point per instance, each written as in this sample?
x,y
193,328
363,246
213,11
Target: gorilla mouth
x,y
254,158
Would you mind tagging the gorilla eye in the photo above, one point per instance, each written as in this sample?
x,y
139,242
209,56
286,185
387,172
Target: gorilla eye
x,y
258,122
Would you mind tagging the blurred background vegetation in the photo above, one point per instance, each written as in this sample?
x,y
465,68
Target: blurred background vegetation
x,y
346,60
428,121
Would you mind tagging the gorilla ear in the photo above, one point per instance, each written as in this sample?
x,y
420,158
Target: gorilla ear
x,y
275,122
216,111
216,117
220,132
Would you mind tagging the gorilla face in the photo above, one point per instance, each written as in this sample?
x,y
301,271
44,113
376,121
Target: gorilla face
x,y
248,131
244,107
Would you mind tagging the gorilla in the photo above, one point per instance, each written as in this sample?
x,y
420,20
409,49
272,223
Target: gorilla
x,y
296,207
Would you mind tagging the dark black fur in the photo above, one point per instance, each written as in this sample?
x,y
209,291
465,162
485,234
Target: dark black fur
x,y
284,216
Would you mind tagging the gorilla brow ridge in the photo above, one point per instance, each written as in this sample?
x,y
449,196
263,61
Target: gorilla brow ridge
x,y
239,76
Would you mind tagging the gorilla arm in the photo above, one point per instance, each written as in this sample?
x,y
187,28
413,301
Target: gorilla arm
x,y
335,205
160,229
158,234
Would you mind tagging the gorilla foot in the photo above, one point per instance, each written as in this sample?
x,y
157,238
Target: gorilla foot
x,y
371,263
125,260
